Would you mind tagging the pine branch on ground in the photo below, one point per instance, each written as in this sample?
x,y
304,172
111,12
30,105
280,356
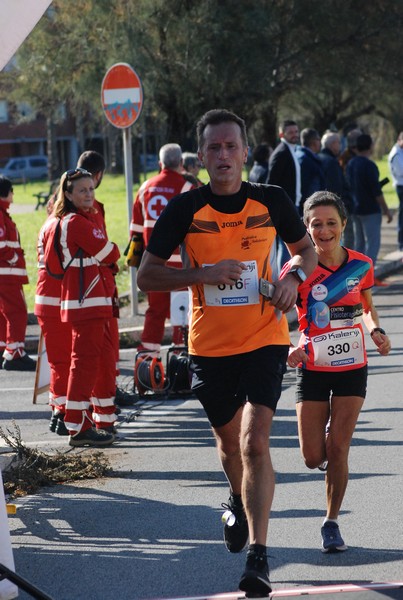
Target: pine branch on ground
x,y
33,469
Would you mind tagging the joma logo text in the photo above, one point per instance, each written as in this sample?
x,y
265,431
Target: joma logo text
x,y
230,224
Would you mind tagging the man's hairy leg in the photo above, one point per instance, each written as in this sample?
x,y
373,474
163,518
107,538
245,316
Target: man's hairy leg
x,y
229,452
258,474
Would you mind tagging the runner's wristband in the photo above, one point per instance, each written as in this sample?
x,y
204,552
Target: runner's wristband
x,y
375,329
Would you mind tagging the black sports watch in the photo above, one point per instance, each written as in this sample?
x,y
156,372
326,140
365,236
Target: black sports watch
x,y
375,329
298,274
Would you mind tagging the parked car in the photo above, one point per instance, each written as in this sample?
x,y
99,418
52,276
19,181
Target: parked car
x,y
26,168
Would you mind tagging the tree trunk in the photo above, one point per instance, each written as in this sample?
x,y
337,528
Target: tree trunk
x,y
53,162
269,125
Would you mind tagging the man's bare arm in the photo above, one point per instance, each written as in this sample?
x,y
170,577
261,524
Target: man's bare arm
x,y
155,276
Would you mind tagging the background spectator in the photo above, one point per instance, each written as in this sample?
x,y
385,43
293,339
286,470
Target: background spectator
x,y
369,202
151,199
312,178
348,237
395,160
335,180
260,169
285,171
13,275
192,166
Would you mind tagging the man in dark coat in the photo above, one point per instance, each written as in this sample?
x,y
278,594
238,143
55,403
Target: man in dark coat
x,y
312,178
284,169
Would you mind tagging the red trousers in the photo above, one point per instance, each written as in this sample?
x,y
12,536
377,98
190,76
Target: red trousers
x,y
114,325
13,318
159,304
92,376
57,337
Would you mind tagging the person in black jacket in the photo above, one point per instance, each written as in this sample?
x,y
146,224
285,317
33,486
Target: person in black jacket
x,y
284,168
285,171
260,169
312,178
335,180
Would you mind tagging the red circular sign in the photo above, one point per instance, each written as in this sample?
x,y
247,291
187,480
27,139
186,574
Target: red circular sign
x,y
122,95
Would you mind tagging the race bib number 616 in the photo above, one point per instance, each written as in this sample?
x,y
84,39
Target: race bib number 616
x,y
243,292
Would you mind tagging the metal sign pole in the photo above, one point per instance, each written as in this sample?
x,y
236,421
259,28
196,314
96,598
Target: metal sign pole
x,y
127,153
122,101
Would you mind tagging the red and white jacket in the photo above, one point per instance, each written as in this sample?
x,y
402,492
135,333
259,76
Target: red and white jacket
x,y
85,290
152,197
48,288
12,261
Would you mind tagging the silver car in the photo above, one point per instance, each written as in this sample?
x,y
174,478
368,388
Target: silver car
x,y
26,168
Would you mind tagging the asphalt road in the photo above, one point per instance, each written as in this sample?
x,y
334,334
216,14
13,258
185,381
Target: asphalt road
x,y
153,530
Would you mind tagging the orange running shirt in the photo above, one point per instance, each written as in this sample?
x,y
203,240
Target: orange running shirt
x,y
229,320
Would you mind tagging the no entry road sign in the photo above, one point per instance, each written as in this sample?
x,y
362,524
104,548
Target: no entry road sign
x,y
122,95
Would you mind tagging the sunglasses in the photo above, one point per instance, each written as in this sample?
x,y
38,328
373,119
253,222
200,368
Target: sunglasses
x,y
75,174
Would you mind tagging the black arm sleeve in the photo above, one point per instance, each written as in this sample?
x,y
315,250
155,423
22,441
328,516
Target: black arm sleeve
x,y
283,213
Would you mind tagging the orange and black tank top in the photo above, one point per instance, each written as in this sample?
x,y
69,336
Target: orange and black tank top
x,y
229,320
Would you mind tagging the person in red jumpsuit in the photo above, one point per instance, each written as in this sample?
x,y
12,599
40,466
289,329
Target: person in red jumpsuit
x,y
13,275
151,199
57,335
94,162
86,304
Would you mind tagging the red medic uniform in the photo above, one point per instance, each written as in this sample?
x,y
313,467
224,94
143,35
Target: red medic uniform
x,y
86,304
13,275
57,335
151,199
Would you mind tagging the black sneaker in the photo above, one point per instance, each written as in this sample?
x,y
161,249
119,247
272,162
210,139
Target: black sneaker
x,y
56,424
255,580
236,531
22,363
53,422
61,428
123,398
108,429
91,437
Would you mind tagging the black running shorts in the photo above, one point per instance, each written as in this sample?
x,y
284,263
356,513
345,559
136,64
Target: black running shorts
x,y
223,384
322,385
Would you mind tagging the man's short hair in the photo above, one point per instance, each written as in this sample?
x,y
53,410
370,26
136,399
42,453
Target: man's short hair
x,y
287,123
364,142
91,161
170,156
216,117
5,186
308,135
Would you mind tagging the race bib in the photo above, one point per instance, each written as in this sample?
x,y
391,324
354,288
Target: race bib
x,y
243,292
338,348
